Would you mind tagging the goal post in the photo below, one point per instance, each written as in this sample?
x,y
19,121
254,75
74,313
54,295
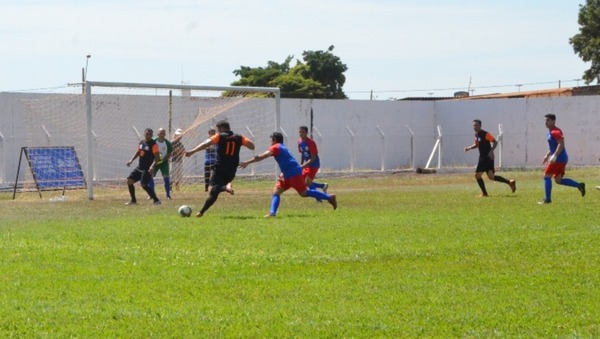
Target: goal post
x,y
194,111
106,124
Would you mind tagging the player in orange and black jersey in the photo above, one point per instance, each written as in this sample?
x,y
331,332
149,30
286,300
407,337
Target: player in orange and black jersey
x,y
228,159
149,155
486,143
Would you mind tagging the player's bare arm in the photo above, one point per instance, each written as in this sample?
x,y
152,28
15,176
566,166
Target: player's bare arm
x,y
559,149
249,144
545,160
491,154
199,148
256,158
156,161
310,161
132,159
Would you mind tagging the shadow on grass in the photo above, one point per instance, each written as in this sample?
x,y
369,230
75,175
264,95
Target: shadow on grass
x,y
279,216
242,217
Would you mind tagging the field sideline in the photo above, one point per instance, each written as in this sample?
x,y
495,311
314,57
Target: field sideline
x,y
404,255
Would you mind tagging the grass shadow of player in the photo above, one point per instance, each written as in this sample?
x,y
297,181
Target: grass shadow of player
x,y
279,216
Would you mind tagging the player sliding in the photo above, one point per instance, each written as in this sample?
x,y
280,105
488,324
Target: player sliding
x,y
228,159
291,174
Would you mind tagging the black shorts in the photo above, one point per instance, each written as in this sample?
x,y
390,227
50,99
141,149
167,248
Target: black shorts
x,y
140,175
208,168
484,165
222,175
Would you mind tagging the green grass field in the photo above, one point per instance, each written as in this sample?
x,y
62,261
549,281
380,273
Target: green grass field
x,y
404,255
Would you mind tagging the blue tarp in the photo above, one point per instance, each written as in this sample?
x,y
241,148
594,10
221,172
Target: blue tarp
x,y
55,167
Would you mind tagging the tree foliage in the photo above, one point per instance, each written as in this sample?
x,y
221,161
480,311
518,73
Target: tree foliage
x,y
327,69
320,75
259,76
586,43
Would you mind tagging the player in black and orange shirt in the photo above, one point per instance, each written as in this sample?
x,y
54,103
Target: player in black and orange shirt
x,y
486,143
228,159
149,155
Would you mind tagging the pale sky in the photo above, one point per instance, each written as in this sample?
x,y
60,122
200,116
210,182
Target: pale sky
x,y
395,48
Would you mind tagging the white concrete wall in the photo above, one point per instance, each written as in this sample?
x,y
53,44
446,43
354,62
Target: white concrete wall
x,y
524,133
12,128
333,118
524,141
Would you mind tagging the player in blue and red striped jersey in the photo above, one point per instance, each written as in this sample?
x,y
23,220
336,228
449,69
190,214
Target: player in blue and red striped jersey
x,y
309,159
291,174
557,160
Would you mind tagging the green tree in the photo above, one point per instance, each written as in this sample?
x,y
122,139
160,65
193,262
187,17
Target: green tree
x,y
295,85
259,76
586,43
321,75
327,69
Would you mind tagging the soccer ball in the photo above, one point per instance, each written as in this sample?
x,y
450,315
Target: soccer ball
x,y
185,211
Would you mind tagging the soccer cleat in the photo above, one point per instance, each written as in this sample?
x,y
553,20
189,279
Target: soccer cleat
x,y
544,202
325,187
229,189
131,203
513,185
483,195
598,187
168,197
270,215
581,188
332,200
199,215
157,202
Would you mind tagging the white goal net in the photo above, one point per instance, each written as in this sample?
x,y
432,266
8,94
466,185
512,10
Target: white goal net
x,y
105,124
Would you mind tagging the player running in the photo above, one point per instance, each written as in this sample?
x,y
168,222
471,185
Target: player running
x,y
291,174
309,161
486,143
557,160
